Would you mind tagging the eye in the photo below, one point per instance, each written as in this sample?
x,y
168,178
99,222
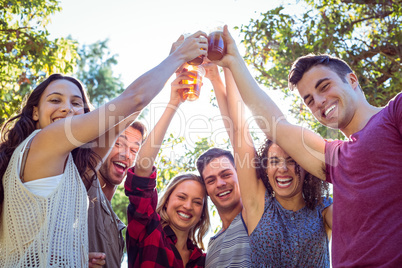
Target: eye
x,y
310,101
291,162
198,203
325,87
210,181
273,162
180,197
117,144
54,100
77,104
134,151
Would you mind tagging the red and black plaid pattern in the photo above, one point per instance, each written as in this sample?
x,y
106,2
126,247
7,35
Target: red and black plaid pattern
x,y
148,244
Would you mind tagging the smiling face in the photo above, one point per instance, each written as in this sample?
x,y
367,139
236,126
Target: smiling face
x,y
332,101
282,174
222,185
59,100
185,205
121,157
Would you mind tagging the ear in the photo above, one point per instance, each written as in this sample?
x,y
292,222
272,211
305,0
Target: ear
x,y
353,81
35,113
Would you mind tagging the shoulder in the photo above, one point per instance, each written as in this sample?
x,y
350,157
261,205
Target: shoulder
x,y
326,202
395,104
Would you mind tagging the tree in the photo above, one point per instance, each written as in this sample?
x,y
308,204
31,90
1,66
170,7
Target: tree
x,y
95,71
26,53
366,34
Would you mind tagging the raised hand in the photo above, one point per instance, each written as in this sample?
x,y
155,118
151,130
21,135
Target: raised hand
x,y
177,88
211,70
192,46
232,52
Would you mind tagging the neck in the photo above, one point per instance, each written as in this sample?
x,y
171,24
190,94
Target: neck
x,y
360,119
228,215
293,203
182,237
107,188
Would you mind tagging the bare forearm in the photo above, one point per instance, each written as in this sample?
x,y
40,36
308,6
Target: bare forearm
x,y
149,151
265,110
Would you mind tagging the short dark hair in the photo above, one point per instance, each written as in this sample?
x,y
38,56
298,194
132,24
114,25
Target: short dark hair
x,y
305,63
210,155
141,128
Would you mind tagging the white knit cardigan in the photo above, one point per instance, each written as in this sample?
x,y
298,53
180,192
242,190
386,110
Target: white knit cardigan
x,y
40,231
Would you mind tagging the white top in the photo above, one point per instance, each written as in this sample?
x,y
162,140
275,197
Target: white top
x,y
39,231
42,187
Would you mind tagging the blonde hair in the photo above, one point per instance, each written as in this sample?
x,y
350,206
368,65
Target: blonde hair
x,y
201,228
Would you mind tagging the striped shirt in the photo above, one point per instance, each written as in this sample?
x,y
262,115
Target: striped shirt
x,y
230,247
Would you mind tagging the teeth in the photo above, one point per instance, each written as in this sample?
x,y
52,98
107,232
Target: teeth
x,y
224,193
284,184
56,119
329,110
184,215
120,164
284,180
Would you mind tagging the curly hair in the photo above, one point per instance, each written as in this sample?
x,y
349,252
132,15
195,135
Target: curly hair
x,y
16,129
201,228
314,189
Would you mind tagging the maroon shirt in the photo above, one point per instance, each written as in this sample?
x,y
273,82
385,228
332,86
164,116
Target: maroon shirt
x,y
366,173
148,244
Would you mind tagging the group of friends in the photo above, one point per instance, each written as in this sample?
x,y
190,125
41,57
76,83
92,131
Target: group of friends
x,y
61,162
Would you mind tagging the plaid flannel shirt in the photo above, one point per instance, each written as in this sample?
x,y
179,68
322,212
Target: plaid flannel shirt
x,y
148,244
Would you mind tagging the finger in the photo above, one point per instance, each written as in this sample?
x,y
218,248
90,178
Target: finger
x,y
181,38
188,77
96,255
98,262
226,34
200,33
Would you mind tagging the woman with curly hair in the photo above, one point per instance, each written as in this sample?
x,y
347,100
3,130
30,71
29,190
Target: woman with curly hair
x,y
287,209
167,233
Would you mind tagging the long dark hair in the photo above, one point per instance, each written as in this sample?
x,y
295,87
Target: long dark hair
x,y
314,189
16,129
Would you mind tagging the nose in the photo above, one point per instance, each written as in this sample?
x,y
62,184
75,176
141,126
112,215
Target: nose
x,y
188,204
125,152
319,100
283,166
67,109
221,182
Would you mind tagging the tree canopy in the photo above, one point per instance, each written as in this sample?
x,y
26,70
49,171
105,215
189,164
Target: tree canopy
x,y
26,52
95,71
366,34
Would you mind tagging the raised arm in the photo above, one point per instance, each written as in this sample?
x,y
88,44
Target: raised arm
x,y
52,145
251,188
212,73
304,146
149,150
